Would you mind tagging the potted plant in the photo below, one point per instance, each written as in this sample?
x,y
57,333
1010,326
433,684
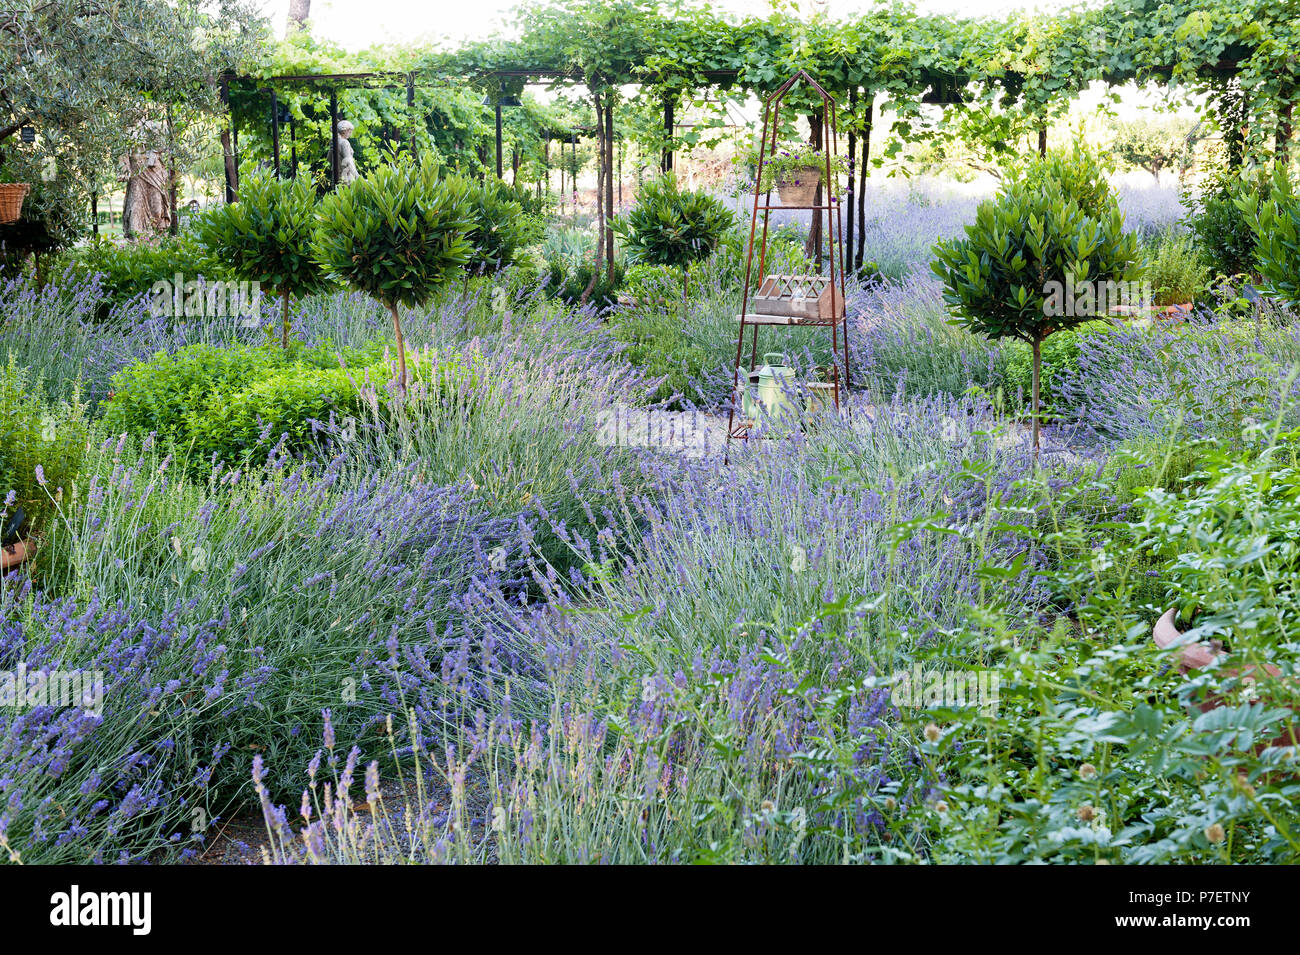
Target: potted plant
x,y
1193,656
796,173
13,549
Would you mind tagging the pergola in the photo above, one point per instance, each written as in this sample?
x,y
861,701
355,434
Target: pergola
x,y
920,74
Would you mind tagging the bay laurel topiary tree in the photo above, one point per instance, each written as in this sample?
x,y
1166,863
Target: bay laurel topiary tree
x,y
501,227
397,235
673,227
267,237
1048,252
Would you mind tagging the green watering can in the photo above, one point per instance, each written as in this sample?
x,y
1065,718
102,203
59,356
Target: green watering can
x,y
769,395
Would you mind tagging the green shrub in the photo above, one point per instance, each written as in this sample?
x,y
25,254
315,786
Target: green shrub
x,y
570,283
1221,227
1228,548
501,228
655,343
673,226
1079,176
1275,225
207,400
34,435
131,270
266,237
397,235
649,283
1055,226
1175,269
154,395
284,402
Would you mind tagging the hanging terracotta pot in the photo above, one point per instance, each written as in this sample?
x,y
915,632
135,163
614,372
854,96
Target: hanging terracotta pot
x,y
12,195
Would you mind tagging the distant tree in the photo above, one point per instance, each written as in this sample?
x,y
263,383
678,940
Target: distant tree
x,y
299,11
1155,146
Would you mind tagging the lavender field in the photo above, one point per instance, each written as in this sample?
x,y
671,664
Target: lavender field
x,y
459,623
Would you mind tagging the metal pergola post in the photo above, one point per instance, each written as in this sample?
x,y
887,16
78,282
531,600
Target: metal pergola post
x,y
410,110
498,113
275,133
667,161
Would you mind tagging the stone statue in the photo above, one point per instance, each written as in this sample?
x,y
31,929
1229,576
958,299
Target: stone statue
x,y
147,207
347,165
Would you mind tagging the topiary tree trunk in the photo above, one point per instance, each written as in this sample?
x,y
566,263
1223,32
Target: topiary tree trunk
x,y
1036,346
401,348
284,318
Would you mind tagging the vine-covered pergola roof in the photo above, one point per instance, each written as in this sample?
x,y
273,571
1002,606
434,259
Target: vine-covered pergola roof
x,y
1026,63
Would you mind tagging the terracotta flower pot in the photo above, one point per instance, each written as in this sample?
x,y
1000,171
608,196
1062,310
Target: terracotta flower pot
x,y
1197,656
11,555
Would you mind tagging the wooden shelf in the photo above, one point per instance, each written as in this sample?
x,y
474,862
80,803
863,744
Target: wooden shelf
x,y
755,318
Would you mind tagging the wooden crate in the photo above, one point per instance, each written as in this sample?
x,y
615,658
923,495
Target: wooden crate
x,y
799,296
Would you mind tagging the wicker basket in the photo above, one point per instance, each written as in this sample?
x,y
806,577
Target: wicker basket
x,y
800,189
12,195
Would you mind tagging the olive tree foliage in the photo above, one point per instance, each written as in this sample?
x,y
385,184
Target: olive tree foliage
x,y
1155,146
99,78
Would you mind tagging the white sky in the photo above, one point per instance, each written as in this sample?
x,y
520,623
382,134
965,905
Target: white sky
x,y
356,24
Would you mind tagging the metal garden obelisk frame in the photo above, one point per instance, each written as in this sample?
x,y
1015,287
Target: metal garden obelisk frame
x,y
804,301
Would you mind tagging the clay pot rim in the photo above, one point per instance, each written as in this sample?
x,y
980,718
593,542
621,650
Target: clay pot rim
x,y
9,559
1198,655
